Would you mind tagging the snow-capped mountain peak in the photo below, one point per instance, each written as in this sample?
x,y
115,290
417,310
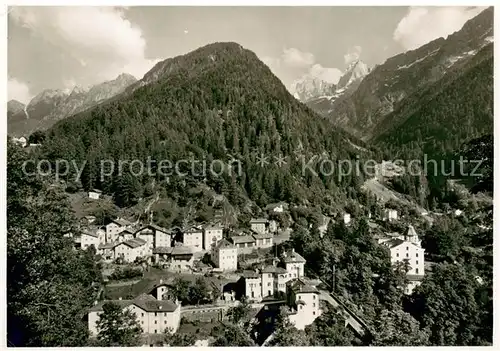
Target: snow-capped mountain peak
x,y
354,72
309,87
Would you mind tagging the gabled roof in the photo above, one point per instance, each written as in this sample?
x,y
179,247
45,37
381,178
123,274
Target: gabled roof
x,y
120,221
241,239
192,229
134,243
224,244
90,233
274,269
297,285
292,257
108,245
96,191
392,243
127,231
263,236
144,301
250,274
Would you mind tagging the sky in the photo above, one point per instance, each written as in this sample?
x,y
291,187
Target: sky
x,y
60,47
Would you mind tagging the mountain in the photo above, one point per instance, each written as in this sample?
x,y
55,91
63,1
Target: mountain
x,y
315,91
440,117
52,105
380,92
217,102
309,87
15,111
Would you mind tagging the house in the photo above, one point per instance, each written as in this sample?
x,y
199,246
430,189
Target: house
x,y
294,263
407,248
279,207
95,194
131,249
244,243
259,225
390,215
20,141
212,235
193,237
89,238
155,236
303,300
177,258
126,234
154,316
114,227
271,280
107,250
225,256
263,240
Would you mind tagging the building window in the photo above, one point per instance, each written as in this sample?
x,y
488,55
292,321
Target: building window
x,y
156,331
156,314
397,255
142,314
165,322
314,313
416,270
407,248
407,255
156,322
268,284
314,305
416,262
300,306
416,254
314,297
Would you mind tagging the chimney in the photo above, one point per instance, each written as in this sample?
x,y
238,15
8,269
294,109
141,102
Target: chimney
x,y
161,281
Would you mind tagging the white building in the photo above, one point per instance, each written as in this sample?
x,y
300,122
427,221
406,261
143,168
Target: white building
x,y
271,280
212,235
407,249
95,194
225,256
303,299
259,225
126,234
294,263
177,258
154,316
114,227
155,236
20,141
89,238
131,249
390,215
193,237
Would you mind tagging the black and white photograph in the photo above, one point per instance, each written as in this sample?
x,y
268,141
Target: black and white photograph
x,y
248,175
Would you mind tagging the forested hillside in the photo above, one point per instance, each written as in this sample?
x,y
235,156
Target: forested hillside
x,y
217,102
437,120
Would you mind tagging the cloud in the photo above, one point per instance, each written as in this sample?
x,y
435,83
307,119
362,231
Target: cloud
x,y
295,58
424,24
329,75
353,54
18,90
99,35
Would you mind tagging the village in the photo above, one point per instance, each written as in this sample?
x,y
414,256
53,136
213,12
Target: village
x,y
241,264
